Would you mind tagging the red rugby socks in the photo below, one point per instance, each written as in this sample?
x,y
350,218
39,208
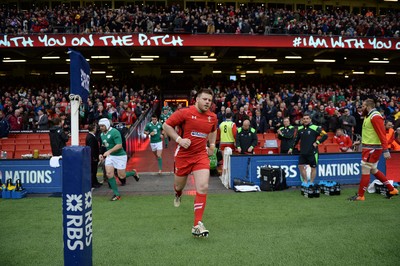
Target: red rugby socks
x,y
199,206
363,185
384,180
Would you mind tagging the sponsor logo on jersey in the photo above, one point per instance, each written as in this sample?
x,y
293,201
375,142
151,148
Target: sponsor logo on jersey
x,y
198,134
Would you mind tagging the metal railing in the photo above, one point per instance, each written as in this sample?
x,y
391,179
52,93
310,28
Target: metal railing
x,y
134,137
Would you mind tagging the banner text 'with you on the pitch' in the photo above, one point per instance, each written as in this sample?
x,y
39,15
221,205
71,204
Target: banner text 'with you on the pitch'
x,y
193,40
90,40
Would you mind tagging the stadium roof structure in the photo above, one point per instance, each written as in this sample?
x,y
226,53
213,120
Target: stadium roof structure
x,y
123,54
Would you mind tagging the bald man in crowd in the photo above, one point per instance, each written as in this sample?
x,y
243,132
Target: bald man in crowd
x,y
246,138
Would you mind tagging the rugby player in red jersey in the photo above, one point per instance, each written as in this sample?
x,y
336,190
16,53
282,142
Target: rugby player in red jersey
x,y
374,143
198,126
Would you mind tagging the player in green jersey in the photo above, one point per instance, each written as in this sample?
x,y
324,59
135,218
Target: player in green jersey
x,y
166,113
154,130
115,157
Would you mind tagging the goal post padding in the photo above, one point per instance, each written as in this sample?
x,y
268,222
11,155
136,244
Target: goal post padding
x,y
77,205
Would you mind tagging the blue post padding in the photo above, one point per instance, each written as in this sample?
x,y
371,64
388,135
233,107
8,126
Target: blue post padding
x,y
77,205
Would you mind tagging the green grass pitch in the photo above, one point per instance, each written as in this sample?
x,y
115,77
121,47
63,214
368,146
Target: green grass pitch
x,y
277,228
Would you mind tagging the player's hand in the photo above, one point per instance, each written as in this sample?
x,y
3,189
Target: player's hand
x,y
386,155
106,153
250,150
290,151
184,143
239,150
152,133
210,151
101,157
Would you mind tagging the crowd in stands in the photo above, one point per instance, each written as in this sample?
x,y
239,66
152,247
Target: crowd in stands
x,y
330,105
199,20
34,108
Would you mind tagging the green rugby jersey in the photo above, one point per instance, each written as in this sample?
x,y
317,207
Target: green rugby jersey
x,y
164,117
157,128
111,138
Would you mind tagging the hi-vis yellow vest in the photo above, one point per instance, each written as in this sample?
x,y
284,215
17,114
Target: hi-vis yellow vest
x,y
226,132
369,135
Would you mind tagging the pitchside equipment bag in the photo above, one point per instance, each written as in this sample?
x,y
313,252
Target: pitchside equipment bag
x,y
381,189
240,182
272,179
329,188
310,190
243,181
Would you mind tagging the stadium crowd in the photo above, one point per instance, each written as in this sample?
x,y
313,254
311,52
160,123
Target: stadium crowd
x,y
330,105
25,108
199,20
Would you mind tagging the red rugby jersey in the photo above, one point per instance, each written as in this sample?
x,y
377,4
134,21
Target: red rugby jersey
x,y
194,126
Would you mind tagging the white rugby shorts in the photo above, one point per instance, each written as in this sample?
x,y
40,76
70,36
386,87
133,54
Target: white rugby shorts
x,y
118,162
156,146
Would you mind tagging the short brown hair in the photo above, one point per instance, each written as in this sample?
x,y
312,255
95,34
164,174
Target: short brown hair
x,y
92,126
56,121
370,103
206,91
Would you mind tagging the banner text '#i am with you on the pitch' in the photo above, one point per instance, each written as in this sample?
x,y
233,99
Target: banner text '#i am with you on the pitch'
x,y
192,40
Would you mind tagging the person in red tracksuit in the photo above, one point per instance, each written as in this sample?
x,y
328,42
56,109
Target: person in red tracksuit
x,y
374,143
198,126
343,140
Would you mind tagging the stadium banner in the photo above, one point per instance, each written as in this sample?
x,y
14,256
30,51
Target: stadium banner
x,y
344,169
186,40
77,206
36,176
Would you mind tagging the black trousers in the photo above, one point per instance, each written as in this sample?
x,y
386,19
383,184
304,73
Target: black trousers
x,y
94,172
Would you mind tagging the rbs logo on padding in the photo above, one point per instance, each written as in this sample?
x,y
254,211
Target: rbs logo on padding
x,y
79,225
